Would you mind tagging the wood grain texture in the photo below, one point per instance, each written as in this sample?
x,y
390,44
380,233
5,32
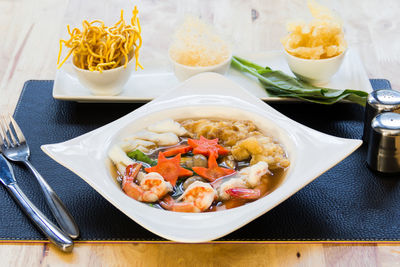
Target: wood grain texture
x,y
201,255
30,31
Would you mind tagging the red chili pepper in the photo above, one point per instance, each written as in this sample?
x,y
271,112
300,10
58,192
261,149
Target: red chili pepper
x,y
181,149
169,169
206,146
213,171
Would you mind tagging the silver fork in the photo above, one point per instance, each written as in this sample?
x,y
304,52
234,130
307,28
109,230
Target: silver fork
x,y
15,148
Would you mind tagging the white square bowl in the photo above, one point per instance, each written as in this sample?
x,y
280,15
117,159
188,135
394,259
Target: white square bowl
x,y
310,152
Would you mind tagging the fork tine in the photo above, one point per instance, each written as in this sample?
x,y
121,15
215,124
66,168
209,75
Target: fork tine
x,y
10,134
4,142
17,130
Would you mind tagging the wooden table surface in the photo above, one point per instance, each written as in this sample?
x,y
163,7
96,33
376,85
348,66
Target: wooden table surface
x,y
30,31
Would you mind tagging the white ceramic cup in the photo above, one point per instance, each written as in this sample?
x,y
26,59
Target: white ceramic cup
x,y
314,71
183,72
108,82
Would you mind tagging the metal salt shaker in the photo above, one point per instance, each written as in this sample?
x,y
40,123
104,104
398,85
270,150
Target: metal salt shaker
x,y
384,143
379,101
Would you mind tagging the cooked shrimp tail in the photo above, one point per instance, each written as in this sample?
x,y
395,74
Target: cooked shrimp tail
x,y
244,193
133,170
128,184
132,189
169,203
198,197
152,186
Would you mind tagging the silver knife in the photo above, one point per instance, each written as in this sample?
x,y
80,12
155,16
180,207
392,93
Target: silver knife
x,y
49,229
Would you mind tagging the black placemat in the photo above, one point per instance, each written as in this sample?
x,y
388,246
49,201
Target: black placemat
x,y
349,202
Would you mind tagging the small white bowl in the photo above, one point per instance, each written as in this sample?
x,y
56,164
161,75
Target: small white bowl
x,y
207,95
314,71
106,83
183,72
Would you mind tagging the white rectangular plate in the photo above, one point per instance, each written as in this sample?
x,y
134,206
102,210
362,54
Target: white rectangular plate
x,y
154,80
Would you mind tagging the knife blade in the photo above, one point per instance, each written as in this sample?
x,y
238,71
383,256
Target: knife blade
x,y
6,172
49,229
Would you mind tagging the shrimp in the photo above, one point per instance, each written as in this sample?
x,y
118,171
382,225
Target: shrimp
x,y
231,183
243,187
244,193
152,185
252,175
197,197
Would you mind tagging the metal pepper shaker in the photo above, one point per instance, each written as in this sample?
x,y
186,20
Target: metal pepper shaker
x,y
379,101
384,146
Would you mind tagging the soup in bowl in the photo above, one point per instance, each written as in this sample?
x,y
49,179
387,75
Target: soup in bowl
x,y
198,165
195,109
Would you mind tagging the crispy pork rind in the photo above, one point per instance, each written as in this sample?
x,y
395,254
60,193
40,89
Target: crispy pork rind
x,y
322,38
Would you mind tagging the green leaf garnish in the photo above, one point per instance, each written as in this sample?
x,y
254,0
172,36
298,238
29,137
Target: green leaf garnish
x,y
279,84
140,156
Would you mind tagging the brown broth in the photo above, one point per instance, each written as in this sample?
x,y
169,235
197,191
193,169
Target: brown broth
x,y
114,172
269,182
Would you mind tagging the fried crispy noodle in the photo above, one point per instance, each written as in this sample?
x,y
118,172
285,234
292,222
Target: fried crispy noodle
x,y
98,47
322,38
